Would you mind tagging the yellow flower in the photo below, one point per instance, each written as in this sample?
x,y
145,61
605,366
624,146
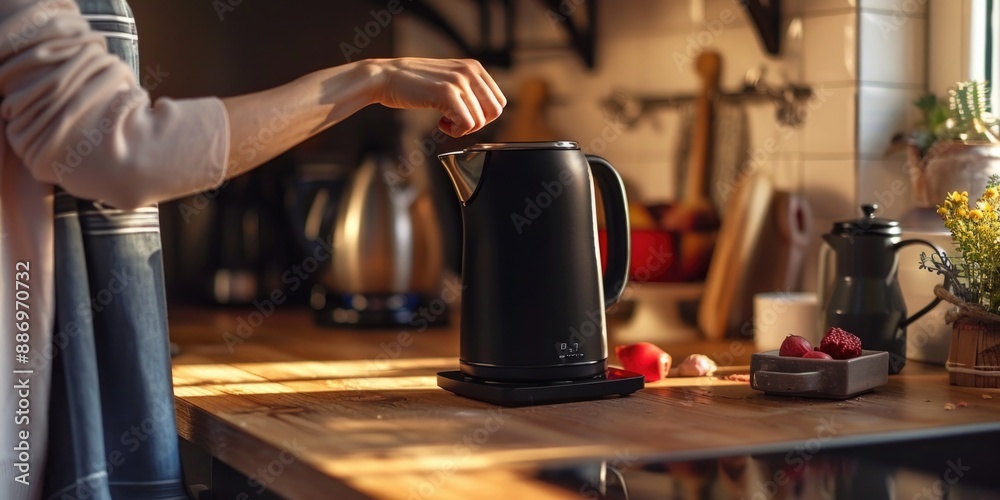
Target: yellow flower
x,y
984,206
955,197
976,214
962,211
991,193
943,212
965,196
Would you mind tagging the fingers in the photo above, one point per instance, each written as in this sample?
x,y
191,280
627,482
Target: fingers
x,y
491,85
481,95
458,118
487,98
461,90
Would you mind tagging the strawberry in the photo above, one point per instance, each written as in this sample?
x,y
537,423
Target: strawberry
x,y
840,344
646,359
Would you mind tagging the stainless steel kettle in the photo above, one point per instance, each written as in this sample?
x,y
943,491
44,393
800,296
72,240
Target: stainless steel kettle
x,y
533,294
862,295
387,256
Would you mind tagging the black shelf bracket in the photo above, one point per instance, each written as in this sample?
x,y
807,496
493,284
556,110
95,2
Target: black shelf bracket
x,y
766,15
582,37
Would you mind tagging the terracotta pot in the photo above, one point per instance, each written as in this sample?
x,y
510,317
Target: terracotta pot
x,y
953,166
974,357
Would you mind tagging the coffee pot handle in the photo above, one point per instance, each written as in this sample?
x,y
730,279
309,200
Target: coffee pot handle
x,y
824,287
915,316
617,227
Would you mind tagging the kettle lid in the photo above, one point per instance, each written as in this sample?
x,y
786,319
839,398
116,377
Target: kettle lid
x,y
868,224
508,146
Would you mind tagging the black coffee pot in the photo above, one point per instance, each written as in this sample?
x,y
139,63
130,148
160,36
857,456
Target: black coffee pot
x,y
533,296
863,295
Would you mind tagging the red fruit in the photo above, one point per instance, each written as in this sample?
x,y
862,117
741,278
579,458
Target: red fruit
x,y
840,344
646,359
817,355
794,346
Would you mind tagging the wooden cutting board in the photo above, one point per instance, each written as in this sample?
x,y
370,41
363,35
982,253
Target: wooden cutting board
x,y
729,271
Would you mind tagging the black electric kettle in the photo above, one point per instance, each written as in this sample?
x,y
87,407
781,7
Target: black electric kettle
x,y
863,295
533,297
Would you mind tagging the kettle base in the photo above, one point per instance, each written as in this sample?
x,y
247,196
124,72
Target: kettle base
x,y
614,382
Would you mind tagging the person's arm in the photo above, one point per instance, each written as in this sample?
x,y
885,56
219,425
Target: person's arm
x,y
77,118
266,124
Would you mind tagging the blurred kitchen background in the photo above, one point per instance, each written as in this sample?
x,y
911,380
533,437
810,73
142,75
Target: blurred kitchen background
x,y
815,91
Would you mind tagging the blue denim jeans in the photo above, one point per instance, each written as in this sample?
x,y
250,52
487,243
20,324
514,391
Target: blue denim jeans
x,y
112,432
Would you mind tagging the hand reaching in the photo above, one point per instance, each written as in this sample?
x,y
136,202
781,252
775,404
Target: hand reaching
x,y
461,90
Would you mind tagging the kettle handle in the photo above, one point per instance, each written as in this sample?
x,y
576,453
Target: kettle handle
x,y
616,220
915,316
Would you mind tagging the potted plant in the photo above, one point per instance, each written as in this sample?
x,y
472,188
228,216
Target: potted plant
x,y
973,285
957,148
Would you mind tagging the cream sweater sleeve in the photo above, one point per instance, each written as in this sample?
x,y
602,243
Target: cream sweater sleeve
x,y
77,118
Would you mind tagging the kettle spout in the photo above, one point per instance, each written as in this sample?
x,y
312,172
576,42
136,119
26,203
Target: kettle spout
x,y
465,169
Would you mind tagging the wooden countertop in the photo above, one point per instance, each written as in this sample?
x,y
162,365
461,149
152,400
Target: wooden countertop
x,y
362,415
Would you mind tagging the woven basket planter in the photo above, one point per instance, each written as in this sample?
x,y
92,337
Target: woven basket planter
x,y
974,357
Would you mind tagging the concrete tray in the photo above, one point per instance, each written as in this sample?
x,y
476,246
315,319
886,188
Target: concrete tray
x,y
819,378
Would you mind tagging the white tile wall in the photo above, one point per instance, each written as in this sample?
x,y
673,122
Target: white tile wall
x,y
884,112
830,126
893,74
910,8
893,49
824,7
830,49
897,7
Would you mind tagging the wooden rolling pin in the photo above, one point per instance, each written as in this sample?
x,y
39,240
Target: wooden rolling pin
x,y
695,211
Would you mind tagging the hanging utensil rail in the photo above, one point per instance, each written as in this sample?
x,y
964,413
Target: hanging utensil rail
x,y
790,101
